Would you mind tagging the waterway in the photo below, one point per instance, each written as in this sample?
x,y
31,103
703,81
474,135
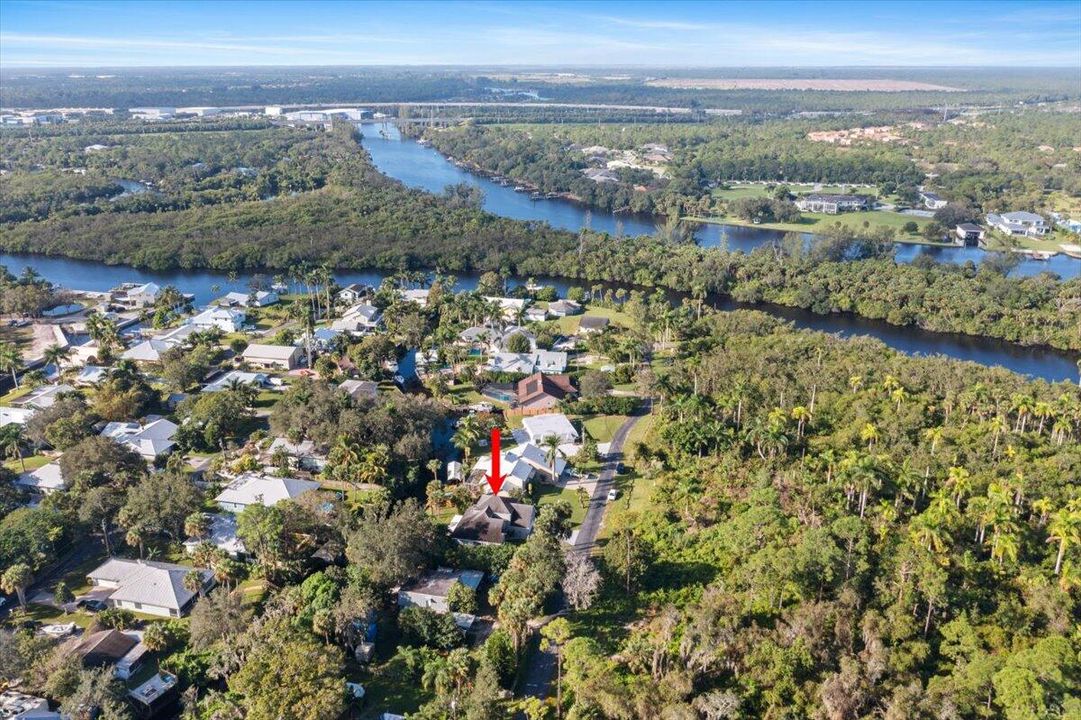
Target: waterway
x,y
1048,364
423,167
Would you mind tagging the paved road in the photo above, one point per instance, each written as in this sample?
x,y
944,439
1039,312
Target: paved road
x,y
541,671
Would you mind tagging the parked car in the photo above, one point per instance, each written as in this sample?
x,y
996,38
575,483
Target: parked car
x,y
613,494
91,605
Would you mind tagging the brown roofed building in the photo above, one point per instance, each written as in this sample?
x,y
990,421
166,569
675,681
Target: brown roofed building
x,y
541,392
492,521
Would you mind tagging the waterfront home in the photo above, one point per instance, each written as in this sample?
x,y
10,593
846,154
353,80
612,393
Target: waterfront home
x,y
479,337
432,590
417,295
253,489
257,298
539,427
222,535
1019,224
968,234
134,295
933,201
831,204
536,314
149,441
145,586
44,480
493,520
353,293
273,357
542,392
359,319
360,389
511,307
227,320
236,377
501,341
563,308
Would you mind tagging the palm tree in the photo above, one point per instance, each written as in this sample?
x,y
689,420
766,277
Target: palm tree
x,y
801,415
193,582
1065,529
959,481
56,355
10,361
552,452
467,433
16,579
433,467
11,440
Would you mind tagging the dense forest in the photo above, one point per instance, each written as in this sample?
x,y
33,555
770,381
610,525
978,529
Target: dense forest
x,y
359,218
133,87
838,531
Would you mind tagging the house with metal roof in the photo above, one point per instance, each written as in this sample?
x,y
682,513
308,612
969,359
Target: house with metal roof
x,y
253,489
145,586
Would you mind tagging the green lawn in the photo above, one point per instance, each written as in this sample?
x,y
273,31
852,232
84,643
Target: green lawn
x,y
544,494
602,428
49,615
809,222
31,463
635,491
14,395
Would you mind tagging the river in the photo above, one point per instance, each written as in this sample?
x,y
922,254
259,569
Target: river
x,y
423,167
1046,363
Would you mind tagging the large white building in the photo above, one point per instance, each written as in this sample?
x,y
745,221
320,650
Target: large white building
x,y
1019,223
252,489
145,586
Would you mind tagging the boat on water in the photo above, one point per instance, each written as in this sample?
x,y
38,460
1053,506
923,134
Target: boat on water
x,y
519,188
536,196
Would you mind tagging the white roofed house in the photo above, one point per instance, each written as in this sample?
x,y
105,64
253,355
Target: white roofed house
x,y
511,307
149,441
91,375
133,295
539,427
353,293
417,295
145,586
222,535
236,377
545,361
933,201
148,351
44,480
360,389
228,320
253,489
273,357
500,342
563,308
43,397
305,453
1019,223
358,319
256,298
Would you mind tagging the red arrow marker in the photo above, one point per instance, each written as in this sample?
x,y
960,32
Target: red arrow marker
x,y
495,480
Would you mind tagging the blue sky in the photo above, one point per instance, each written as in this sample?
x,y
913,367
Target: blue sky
x,y
86,33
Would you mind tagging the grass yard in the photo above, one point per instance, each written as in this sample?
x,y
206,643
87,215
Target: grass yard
x,y
14,395
569,325
635,491
812,221
548,494
21,337
602,428
31,463
49,615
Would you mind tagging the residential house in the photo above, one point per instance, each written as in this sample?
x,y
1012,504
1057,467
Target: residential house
x,y
43,397
563,308
540,391
933,201
15,415
493,520
511,307
359,319
222,535
236,377
135,295
968,234
44,480
228,320
304,453
148,351
273,357
91,375
149,587
501,341
1019,223
353,293
591,324
536,314
252,489
417,295
545,361
521,465
832,204
123,650
479,337
539,427
256,298
431,591
149,441
360,389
